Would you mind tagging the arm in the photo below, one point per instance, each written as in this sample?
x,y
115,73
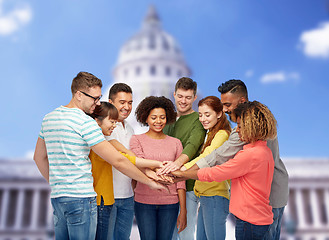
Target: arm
x,y
220,137
106,151
182,218
234,168
193,143
41,159
223,153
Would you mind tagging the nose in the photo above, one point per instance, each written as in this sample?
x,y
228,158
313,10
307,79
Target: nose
x,y
225,109
98,103
202,118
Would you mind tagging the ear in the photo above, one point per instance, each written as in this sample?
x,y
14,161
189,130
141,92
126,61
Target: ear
x,y
219,115
243,100
77,95
195,97
99,122
110,101
174,94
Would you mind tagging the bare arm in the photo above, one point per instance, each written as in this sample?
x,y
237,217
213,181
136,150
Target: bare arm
x,y
41,159
106,151
182,218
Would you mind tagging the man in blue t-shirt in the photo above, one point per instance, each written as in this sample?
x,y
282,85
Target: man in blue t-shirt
x,y
61,154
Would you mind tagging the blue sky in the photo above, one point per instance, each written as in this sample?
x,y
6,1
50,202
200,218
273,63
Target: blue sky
x,y
279,48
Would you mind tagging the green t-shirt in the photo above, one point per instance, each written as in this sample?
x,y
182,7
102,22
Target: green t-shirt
x,y
191,133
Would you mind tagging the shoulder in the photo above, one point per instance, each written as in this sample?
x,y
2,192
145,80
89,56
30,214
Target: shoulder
x,y
221,133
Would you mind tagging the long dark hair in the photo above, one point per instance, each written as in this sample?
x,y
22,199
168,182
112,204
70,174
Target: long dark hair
x,y
222,124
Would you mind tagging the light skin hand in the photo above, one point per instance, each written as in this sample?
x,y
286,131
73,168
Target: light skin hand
x,y
173,166
41,158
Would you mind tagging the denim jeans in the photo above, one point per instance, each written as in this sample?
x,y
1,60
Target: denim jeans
x,y
121,219
156,222
247,231
275,227
103,220
75,218
188,233
212,216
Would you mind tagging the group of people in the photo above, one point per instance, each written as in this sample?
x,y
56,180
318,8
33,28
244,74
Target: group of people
x,y
180,179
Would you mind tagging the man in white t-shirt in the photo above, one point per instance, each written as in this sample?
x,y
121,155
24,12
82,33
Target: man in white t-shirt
x,y
122,213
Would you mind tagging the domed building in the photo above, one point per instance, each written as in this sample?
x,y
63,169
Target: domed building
x,y
150,62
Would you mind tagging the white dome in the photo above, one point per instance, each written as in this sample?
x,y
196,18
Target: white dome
x,y
150,45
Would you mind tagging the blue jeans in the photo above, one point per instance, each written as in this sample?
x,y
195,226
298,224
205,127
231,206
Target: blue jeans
x,y
212,216
275,227
188,233
247,231
121,219
74,218
103,220
156,222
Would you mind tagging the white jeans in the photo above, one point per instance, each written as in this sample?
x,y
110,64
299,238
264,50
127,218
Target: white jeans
x,y
192,205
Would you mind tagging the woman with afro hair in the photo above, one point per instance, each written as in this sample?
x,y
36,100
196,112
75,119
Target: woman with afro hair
x,y
157,211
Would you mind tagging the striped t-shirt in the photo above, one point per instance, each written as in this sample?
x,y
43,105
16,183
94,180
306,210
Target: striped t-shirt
x,y
69,134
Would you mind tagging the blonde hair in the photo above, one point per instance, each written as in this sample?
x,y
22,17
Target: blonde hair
x,y
257,122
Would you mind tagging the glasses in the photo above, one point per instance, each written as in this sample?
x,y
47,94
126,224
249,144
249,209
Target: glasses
x,y
96,99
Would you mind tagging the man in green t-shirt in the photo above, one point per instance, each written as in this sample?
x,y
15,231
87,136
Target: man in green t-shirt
x,y
191,133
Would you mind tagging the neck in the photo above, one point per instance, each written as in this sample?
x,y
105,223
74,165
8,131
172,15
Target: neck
x,y
185,113
72,104
155,135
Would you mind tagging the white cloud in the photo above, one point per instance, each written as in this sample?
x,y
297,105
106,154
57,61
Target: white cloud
x,y
29,154
249,73
280,76
315,42
15,19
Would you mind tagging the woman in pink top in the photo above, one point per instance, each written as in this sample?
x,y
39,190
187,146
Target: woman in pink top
x,y
250,171
156,211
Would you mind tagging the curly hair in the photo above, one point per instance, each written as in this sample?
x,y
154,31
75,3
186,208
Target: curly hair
x,y
104,110
257,122
149,103
222,124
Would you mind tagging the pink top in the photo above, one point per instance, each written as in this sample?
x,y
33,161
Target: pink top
x,y
167,149
251,171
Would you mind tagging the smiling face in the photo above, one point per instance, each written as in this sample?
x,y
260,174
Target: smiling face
x,y
123,102
208,117
183,101
156,120
88,104
107,125
230,101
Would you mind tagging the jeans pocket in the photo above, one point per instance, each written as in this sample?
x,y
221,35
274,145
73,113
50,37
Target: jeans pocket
x,y
73,211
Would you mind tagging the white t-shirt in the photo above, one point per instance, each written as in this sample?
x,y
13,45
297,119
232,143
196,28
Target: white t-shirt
x,y
121,183
69,134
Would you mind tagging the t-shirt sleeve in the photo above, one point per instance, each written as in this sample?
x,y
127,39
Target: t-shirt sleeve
x,y
132,159
136,147
220,137
223,153
195,140
234,168
92,133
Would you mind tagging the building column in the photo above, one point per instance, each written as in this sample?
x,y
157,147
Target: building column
x,y
4,209
35,208
19,209
326,201
314,202
300,209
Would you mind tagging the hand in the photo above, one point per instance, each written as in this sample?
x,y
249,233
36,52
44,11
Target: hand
x,y
162,179
183,168
169,167
181,221
157,186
